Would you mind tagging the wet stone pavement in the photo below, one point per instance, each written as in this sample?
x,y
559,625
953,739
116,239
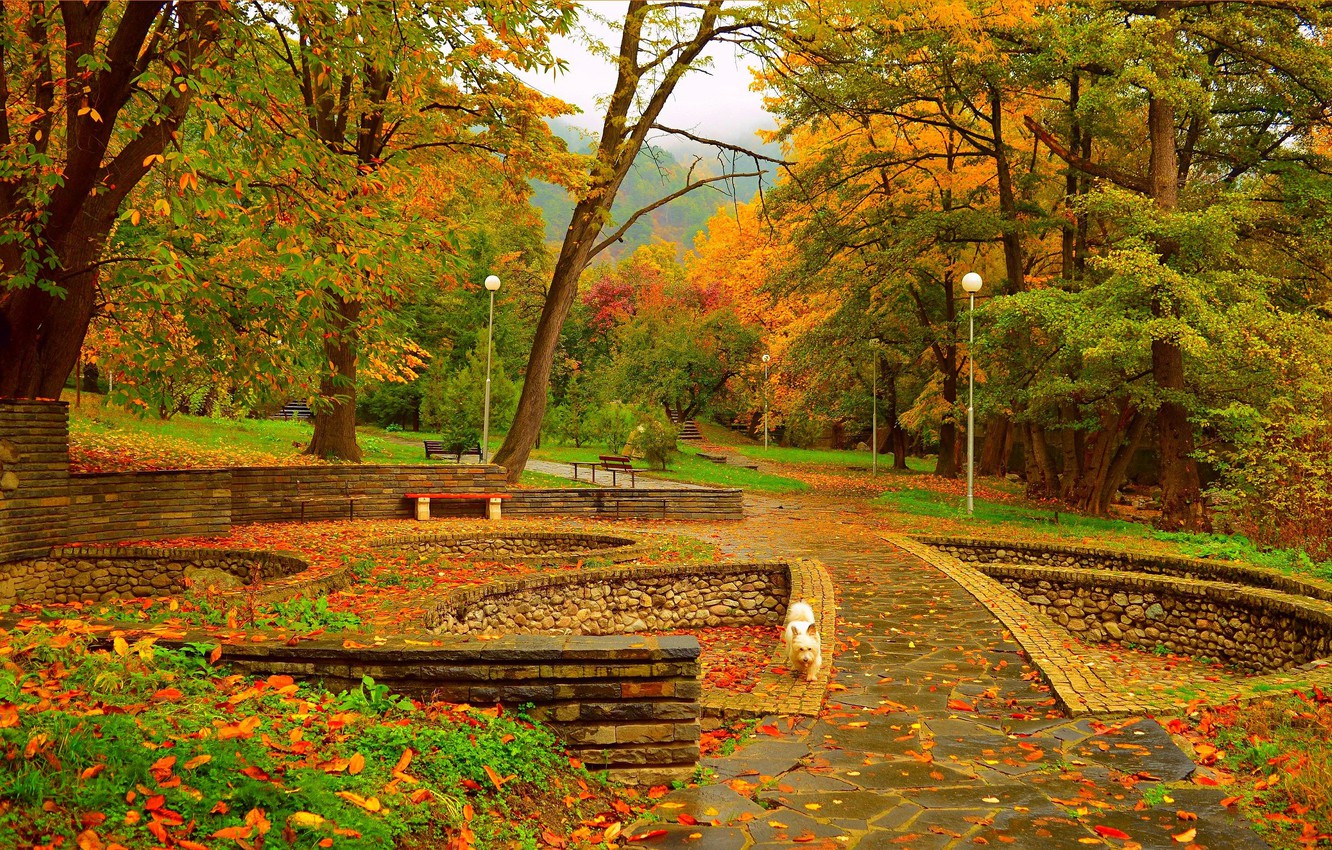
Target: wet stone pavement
x,y
935,734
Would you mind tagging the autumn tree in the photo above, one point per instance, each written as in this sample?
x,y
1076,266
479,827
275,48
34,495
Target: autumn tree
x,y
369,100
93,94
659,43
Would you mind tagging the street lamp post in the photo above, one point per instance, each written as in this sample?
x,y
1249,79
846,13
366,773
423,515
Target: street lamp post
x,y
766,358
874,402
492,284
971,282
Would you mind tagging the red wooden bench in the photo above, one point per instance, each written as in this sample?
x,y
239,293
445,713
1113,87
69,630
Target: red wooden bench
x,y
493,501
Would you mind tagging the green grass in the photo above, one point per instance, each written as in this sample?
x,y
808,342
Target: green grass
x,y
171,713
830,457
688,466
930,503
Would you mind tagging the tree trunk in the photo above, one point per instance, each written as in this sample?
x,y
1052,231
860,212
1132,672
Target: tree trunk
x,y
946,466
1181,488
1118,468
522,434
91,376
335,416
41,335
994,449
1042,476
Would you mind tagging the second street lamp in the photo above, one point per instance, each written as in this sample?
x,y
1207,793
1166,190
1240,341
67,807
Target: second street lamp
x,y
874,401
492,284
971,282
766,358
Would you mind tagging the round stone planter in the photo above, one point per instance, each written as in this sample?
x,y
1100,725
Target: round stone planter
x,y
620,600
1255,620
529,547
101,573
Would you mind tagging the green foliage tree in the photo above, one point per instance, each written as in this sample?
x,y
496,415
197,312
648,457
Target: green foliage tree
x,y
453,403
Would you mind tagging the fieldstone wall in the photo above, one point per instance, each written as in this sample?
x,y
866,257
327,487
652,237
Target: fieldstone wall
x,y
524,546
975,552
620,600
1256,631
1248,617
99,573
626,705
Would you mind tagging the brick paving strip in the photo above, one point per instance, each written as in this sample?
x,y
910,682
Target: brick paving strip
x,y
936,732
1084,677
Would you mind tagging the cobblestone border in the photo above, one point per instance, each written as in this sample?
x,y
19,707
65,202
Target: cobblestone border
x,y
1081,677
773,694
623,548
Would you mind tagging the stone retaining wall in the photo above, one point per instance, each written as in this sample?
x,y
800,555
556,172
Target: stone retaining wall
x,y
43,505
620,600
975,552
274,493
107,507
539,547
1259,631
621,503
1248,617
34,473
626,705
99,573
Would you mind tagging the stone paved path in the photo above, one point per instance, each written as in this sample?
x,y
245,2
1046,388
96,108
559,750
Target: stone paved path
x,y
935,735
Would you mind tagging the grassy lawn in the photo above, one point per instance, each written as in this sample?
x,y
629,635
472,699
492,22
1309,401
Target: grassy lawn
x,y
686,466
109,438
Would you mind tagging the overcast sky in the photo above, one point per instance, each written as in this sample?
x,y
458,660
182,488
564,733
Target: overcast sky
x,y
715,102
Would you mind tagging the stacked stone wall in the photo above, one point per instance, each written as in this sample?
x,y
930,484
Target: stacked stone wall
x,y
1256,632
34,474
119,506
99,573
527,546
621,600
623,503
1248,617
626,705
976,552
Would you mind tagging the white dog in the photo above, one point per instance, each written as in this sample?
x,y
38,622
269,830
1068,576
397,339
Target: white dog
x,y
804,650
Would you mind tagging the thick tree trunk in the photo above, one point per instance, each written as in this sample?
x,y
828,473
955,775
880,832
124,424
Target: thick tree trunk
x,y
335,417
522,435
41,335
1042,476
1181,487
946,466
1114,476
996,446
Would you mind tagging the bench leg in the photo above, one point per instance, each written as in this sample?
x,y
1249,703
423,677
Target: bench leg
x,y
422,509
493,509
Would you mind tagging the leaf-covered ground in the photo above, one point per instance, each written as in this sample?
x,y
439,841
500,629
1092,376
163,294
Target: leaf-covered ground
x,y
109,744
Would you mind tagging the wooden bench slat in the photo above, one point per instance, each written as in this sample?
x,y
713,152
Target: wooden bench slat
x,y
455,496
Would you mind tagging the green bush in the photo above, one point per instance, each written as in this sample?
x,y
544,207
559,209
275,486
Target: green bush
x,y
612,425
654,439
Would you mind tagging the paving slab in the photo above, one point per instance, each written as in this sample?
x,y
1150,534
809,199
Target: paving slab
x,y
1015,771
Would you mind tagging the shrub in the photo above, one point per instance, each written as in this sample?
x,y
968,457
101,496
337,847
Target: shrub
x,y
1277,486
654,439
613,423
